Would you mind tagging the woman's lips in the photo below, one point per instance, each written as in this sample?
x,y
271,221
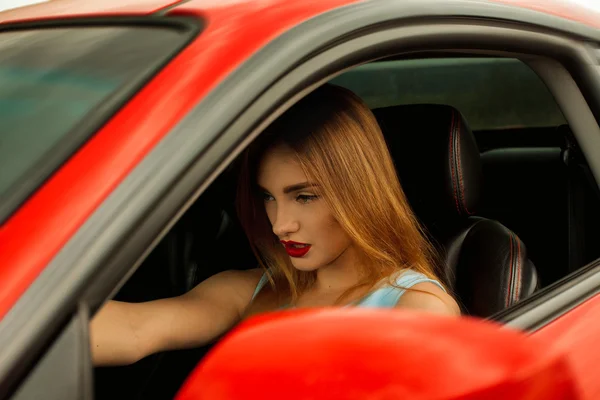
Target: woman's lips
x,y
296,249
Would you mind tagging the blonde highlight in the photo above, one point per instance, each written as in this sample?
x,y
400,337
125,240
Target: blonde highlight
x,y
340,146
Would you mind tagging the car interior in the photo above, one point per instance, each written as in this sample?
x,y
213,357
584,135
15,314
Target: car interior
x,y
489,166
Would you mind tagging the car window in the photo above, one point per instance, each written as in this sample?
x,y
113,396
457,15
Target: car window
x,y
53,81
492,93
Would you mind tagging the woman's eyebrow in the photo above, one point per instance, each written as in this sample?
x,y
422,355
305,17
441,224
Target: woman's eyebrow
x,y
298,186
292,188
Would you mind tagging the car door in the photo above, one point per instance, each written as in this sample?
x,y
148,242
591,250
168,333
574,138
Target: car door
x,y
563,313
564,65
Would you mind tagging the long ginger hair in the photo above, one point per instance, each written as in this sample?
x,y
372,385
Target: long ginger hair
x,y
339,146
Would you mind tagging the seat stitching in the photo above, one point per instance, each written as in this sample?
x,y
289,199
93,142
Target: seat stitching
x,y
510,274
451,153
460,174
519,269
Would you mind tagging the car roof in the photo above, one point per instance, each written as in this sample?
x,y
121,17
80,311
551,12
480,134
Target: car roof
x,y
570,9
77,8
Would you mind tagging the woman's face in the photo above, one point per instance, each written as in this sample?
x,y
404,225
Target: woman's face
x,y
300,218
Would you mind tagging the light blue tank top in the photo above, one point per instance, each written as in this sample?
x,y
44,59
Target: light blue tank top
x,y
383,297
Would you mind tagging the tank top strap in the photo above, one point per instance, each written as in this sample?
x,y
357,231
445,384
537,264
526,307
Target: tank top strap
x,y
261,283
388,296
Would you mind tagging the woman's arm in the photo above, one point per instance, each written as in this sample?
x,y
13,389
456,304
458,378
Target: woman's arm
x,y
123,333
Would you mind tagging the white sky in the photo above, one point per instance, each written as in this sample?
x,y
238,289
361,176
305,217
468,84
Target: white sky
x,y
595,4
8,4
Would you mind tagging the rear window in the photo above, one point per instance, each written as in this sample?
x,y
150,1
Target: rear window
x,y
492,93
58,85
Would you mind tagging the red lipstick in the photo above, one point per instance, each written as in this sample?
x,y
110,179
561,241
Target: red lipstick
x,y
296,249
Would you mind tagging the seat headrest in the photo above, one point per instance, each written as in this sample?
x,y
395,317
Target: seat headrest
x,y
436,157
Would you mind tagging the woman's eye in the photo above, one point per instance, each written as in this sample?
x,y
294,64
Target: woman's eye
x,y
267,197
306,198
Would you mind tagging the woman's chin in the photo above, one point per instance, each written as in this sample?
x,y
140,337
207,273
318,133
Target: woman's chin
x,y
304,265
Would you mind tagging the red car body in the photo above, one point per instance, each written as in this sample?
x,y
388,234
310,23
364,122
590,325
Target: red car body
x,y
235,30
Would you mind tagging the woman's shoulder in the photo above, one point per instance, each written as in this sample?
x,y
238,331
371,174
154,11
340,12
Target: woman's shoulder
x,y
409,288
236,283
249,277
407,278
427,294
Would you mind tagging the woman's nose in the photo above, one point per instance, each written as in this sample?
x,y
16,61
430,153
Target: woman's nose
x,y
285,223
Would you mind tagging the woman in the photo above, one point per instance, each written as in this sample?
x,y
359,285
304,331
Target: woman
x,y
320,201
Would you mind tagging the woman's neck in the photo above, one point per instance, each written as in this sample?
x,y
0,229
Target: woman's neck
x,y
340,274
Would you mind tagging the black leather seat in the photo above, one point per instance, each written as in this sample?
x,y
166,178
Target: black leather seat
x,y
439,166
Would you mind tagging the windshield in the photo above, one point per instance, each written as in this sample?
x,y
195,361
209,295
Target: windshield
x,y
56,83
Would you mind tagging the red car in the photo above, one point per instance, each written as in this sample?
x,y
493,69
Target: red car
x,y
120,123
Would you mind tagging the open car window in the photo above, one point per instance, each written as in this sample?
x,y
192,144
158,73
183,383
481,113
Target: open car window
x,y
492,93
57,86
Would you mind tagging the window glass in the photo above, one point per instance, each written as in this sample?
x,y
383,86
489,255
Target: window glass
x,y
492,93
51,80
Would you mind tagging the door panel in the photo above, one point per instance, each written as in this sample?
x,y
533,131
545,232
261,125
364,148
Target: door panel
x,y
576,334
64,371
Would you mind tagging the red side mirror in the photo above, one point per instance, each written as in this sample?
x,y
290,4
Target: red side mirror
x,y
377,354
